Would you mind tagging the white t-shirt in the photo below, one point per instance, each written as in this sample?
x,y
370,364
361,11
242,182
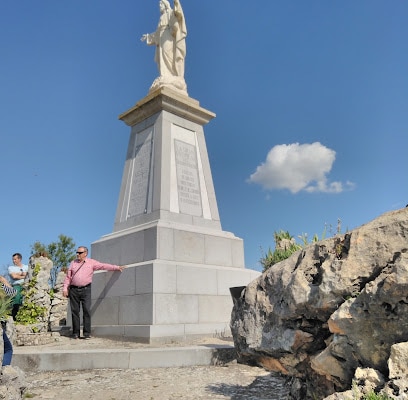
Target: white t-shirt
x,y
12,269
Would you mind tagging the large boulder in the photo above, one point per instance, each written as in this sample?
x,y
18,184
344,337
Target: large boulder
x,y
336,305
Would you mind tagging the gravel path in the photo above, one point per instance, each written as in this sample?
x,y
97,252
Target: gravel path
x,y
233,381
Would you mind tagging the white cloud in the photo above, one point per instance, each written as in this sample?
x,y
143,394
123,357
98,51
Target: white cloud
x,y
298,167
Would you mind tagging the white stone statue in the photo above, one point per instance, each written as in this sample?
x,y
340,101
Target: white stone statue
x,y
170,42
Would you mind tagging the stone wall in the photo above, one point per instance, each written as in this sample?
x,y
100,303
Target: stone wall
x,y
53,302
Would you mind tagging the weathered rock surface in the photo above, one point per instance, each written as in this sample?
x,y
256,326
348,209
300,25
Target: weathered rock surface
x,y
12,383
397,386
51,301
337,305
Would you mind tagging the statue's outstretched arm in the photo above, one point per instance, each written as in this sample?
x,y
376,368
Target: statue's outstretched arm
x,y
149,38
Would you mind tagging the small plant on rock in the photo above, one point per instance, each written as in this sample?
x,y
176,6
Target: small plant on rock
x,y
30,312
358,395
375,396
285,246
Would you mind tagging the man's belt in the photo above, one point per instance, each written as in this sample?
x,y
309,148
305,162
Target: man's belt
x,y
80,287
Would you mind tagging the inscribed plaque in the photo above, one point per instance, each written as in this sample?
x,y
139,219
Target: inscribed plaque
x,y
141,176
188,184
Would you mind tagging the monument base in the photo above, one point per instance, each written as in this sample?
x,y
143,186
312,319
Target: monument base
x,y
158,302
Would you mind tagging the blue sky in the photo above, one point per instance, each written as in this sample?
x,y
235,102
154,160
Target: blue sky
x,y
311,98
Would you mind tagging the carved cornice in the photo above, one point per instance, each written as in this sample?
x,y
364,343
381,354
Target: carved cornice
x,y
168,100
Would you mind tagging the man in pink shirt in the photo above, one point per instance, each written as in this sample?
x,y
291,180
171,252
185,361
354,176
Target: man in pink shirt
x,y
77,286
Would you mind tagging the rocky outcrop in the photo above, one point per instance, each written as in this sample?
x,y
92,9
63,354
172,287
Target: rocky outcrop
x,y
53,300
335,306
38,294
12,383
368,380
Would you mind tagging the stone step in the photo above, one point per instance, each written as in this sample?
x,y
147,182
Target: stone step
x,y
53,359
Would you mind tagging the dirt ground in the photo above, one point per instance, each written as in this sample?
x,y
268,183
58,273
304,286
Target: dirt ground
x,y
233,381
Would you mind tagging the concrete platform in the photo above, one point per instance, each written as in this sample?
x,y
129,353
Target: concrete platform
x,y
100,353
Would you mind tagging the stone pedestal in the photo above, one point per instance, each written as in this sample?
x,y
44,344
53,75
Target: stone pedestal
x,y
167,230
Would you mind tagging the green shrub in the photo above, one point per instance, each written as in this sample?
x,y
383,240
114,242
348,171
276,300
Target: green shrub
x,y
285,246
5,305
375,396
30,313
278,255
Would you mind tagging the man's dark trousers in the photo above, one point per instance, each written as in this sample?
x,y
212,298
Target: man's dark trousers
x,y
80,295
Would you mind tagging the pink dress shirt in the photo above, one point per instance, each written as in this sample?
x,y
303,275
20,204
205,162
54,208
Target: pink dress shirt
x,y
80,273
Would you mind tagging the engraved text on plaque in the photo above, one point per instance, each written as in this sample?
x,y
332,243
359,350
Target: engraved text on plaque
x,y
188,184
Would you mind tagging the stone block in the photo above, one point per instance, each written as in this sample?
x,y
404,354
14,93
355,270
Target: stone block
x,y
214,309
105,311
165,243
109,330
137,309
218,251
166,332
150,243
196,280
175,309
237,249
220,329
120,283
189,247
165,278
140,332
144,279
98,285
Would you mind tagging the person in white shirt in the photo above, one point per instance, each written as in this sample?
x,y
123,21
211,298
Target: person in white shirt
x,y
17,273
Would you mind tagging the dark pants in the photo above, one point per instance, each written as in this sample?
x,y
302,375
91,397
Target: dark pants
x,y
14,310
8,349
80,296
